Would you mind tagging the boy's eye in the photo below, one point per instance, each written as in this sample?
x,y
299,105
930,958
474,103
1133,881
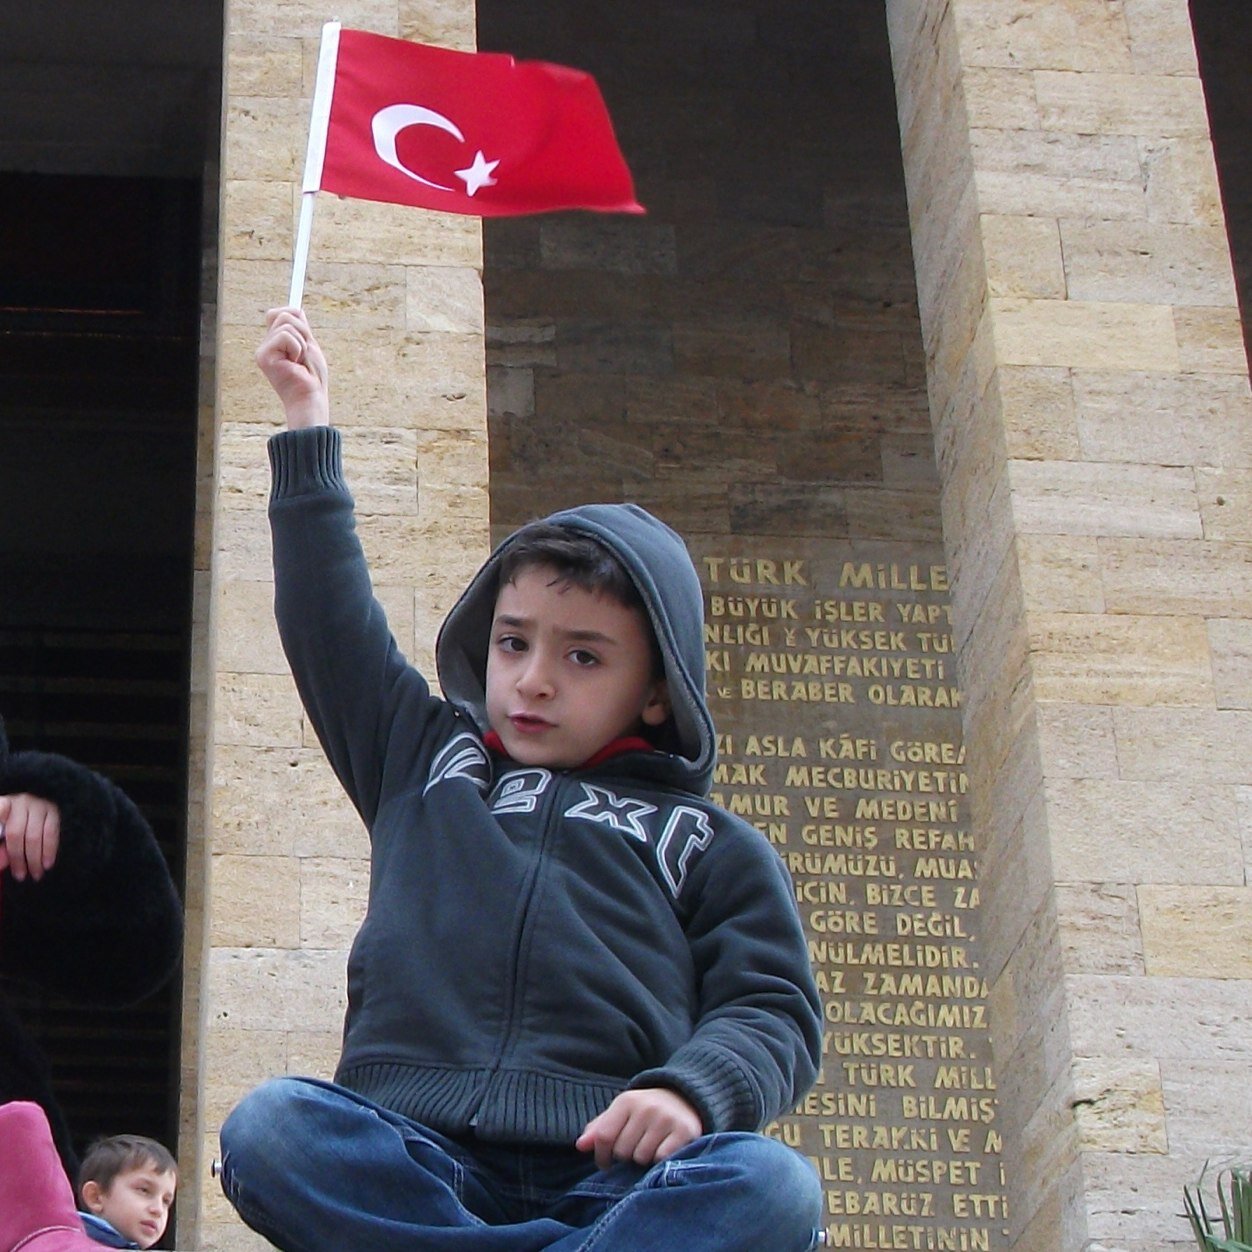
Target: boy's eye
x,y
580,656
511,643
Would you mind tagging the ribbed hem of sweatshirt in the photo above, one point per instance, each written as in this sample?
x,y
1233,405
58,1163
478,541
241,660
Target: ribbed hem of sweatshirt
x,y
305,460
508,1106
718,1089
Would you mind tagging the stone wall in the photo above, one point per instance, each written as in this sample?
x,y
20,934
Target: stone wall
x,y
1090,399
746,359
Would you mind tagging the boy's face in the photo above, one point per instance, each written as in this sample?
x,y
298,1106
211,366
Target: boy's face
x,y
567,671
137,1203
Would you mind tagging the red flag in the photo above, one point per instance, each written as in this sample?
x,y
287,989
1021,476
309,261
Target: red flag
x,y
469,132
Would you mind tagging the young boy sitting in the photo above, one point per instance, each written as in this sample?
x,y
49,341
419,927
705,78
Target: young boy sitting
x,y
127,1185
580,989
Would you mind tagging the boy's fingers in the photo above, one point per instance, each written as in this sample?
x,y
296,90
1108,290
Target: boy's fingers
x,y
291,341
603,1136
293,323
281,350
282,341
631,1144
641,1129
291,344
654,1139
672,1142
593,1139
627,1141
285,312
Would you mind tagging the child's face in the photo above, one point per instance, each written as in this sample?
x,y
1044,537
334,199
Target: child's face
x,y
137,1203
567,671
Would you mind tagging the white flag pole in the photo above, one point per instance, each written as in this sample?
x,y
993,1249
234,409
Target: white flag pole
x,y
315,156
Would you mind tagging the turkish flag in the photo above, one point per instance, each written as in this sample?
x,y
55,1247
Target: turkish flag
x,y
469,132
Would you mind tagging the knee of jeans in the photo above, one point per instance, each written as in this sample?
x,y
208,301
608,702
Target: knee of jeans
x,y
786,1182
256,1129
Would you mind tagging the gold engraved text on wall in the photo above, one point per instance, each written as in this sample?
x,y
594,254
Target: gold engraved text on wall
x,y
831,674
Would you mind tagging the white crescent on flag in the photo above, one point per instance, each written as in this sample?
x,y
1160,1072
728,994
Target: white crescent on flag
x,y
386,126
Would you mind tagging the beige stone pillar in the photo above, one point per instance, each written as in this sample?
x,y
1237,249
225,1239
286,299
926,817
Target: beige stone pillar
x,y
395,295
1090,405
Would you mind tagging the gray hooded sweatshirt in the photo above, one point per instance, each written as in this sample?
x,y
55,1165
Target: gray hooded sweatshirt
x,y
537,941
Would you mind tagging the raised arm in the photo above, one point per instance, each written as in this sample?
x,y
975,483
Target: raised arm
x,y
366,703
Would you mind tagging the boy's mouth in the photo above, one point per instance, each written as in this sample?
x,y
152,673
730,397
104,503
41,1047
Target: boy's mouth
x,y
529,723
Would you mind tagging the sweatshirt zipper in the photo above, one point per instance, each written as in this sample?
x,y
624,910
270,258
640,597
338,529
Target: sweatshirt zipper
x,y
512,1008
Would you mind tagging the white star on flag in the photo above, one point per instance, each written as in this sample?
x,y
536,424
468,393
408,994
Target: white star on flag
x,y
477,175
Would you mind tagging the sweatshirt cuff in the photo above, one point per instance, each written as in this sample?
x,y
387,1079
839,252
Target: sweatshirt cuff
x,y
714,1084
305,460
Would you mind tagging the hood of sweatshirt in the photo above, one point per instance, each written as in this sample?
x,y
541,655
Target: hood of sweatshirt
x,y
657,561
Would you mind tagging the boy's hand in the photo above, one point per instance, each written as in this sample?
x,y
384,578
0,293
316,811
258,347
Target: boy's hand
x,y
292,362
644,1126
30,835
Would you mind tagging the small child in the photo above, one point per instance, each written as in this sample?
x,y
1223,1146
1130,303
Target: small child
x,y
127,1185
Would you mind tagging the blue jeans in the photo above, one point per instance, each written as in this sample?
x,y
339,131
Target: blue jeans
x,y
313,1167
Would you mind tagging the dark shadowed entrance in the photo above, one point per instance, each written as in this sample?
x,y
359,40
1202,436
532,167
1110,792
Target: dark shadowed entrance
x,y
110,125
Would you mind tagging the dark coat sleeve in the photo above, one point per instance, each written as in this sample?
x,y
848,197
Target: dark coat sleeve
x,y
105,924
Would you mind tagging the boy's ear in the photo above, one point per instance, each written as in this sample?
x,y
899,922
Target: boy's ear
x,y
656,711
93,1197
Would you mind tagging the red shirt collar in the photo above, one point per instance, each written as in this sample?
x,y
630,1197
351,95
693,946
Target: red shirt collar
x,y
615,747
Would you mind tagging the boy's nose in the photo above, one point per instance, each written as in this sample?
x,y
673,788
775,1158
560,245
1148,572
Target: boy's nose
x,y
535,678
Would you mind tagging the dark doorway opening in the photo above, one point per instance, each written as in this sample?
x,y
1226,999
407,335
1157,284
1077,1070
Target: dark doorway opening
x,y
107,166
99,325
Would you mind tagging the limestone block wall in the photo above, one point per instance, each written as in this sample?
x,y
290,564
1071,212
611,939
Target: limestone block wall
x,y
1090,401
395,295
746,359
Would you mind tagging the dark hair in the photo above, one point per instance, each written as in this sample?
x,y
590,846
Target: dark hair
x,y
107,1158
582,561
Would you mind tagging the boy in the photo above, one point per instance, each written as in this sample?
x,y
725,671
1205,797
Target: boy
x,y
580,989
127,1185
